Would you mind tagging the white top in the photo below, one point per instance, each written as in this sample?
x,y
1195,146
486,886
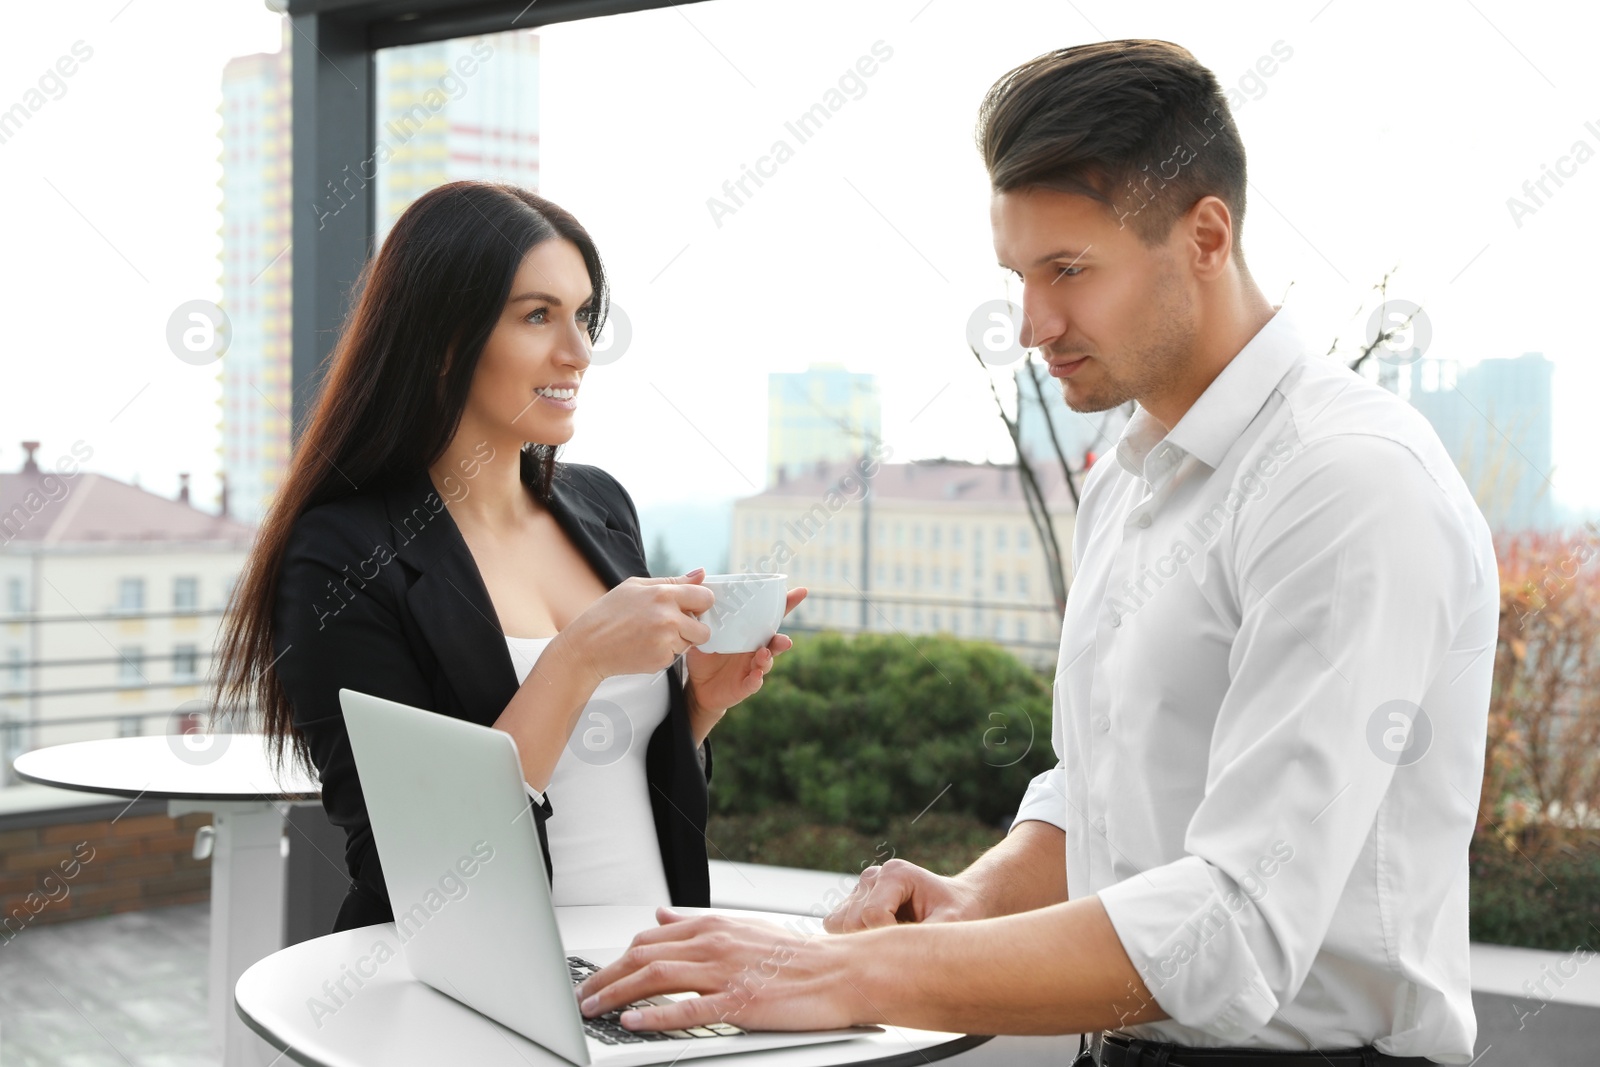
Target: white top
x,y
602,830
1262,598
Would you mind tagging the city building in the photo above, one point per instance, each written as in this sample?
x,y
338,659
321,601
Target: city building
x,y
110,601
922,547
463,108
256,274
824,414
1494,419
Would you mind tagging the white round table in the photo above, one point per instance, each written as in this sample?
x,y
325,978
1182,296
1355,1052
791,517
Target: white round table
x,y
230,776
393,1020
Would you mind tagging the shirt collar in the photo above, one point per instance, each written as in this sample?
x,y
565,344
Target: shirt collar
x,y
1229,404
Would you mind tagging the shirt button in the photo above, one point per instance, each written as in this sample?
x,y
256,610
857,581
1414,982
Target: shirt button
x,y
1116,620
1103,723
1144,521
1100,825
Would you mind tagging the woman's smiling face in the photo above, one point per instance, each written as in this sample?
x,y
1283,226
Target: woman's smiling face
x,y
525,385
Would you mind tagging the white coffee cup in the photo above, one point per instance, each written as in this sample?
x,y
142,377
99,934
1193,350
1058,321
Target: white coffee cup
x,y
747,612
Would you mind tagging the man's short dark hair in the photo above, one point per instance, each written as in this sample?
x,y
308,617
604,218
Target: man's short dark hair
x,y
1140,126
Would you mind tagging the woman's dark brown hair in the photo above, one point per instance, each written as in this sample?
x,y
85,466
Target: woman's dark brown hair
x,y
395,388
1139,126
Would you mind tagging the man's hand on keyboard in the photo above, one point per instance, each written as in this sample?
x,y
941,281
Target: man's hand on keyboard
x,y
754,975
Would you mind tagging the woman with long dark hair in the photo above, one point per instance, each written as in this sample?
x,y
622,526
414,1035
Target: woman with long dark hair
x,y
426,547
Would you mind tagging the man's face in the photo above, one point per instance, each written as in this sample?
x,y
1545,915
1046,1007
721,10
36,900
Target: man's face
x,y
1114,319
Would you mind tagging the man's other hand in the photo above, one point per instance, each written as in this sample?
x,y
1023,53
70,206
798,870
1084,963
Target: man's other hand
x,y
900,892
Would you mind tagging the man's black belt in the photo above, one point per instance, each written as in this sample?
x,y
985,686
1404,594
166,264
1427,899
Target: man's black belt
x,y
1119,1051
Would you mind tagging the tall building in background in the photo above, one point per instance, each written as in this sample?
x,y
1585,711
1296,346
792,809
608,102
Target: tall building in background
x,y
464,108
823,414
1494,420
255,277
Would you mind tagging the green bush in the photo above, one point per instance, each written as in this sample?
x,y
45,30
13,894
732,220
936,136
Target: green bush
x,y
945,843
857,731
1550,900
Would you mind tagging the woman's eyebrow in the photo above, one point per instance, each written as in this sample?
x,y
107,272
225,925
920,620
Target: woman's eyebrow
x,y
546,298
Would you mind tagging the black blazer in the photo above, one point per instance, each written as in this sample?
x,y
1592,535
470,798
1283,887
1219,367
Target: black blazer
x,y
379,593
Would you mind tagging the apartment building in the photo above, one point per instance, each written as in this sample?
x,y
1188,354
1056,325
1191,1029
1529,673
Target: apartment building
x,y
922,547
110,601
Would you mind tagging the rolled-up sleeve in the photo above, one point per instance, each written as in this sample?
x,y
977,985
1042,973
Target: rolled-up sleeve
x,y
1045,800
1351,589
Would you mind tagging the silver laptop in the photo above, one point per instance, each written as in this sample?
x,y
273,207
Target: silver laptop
x,y
472,909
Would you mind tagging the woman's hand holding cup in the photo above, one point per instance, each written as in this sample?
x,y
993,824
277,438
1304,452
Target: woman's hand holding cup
x,y
742,644
640,626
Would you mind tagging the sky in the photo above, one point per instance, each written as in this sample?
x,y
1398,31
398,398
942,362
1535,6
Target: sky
x,y
1388,141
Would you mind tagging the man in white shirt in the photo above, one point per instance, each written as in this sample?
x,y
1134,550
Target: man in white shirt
x,y
1272,690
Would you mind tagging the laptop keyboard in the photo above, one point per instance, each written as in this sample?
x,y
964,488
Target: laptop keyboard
x,y
606,1028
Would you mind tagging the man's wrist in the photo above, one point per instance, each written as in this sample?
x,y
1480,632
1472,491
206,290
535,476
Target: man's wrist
x,y
975,902
867,963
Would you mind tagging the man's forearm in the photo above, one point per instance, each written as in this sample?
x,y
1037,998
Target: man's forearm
x,y
1027,870
1056,970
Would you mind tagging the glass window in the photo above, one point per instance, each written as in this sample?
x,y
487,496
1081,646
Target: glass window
x,y
130,666
955,580
185,661
185,594
1022,629
937,575
916,535
15,604
1022,539
899,575
14,668
999,581
934,625
916,577
933,536
1000,539
130,594
1022,585
955,537
879,575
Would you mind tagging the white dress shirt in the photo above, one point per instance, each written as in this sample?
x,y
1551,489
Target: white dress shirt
x,y
602,829
1262,599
